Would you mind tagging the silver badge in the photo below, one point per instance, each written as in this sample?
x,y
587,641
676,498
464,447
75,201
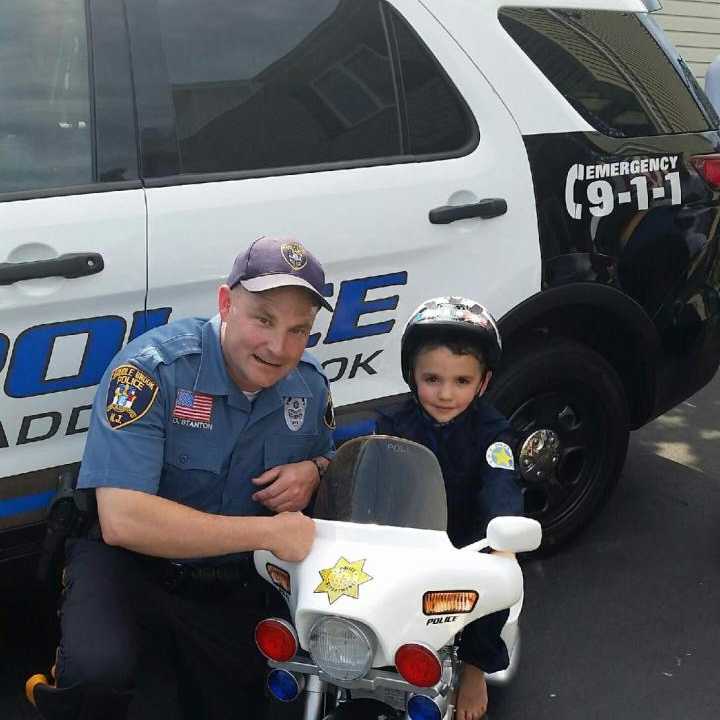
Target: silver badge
x,y
295,412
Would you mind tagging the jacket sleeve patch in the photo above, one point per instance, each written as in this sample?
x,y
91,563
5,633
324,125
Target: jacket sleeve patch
x,y
131,393
499,455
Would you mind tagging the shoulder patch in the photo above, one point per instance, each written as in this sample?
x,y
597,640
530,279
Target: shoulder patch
x,y
329,413
131,393
499,455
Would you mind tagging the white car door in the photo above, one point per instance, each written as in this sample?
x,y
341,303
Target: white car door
x,y
335,123
72,249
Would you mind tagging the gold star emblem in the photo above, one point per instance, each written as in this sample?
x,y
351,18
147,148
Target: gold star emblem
x,y
499,455
344,578
503,457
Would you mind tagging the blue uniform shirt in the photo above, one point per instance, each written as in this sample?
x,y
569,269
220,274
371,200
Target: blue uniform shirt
x,y
168,420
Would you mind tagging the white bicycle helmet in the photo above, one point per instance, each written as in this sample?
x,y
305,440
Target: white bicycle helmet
x,y
455,319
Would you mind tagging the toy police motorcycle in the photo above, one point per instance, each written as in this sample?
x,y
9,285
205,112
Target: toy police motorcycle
x,y
378,602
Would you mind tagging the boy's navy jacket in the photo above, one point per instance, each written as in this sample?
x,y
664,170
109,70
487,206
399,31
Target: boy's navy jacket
x,y
476,492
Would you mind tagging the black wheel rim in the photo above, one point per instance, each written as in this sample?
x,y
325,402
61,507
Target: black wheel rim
x,y
579,423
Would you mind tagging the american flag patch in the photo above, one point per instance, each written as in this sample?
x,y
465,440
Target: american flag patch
x,y
193,406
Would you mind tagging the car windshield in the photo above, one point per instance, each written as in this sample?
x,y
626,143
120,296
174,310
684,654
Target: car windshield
x,y
384,480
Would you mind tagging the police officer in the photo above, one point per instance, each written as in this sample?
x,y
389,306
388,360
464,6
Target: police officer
x,y
207,439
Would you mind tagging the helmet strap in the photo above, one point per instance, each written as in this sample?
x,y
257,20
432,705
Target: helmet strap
x,y
484,384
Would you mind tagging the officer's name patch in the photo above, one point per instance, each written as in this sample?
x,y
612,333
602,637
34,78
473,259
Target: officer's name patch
x,y
131,393
295,412
193,409
499,455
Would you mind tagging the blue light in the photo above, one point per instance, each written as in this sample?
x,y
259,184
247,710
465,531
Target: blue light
x,y
283,685
421,707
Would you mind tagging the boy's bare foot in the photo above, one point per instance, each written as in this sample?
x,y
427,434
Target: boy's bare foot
x,y
472,699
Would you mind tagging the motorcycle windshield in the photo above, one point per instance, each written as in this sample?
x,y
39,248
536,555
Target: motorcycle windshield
x,y
384,480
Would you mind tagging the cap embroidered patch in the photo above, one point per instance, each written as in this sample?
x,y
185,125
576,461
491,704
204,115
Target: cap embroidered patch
x,y
499,455
130,395
295,412
294,255
194,406
329,413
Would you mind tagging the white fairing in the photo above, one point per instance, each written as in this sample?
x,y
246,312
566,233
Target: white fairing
x,y
403,564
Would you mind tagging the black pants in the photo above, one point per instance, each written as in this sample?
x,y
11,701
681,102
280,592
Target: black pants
x,y
481,644
115,609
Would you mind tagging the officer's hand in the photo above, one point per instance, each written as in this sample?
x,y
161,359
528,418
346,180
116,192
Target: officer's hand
x,y
291,486
292,537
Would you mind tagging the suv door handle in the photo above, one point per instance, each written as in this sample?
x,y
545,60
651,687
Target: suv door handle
x,y
70,265
486,209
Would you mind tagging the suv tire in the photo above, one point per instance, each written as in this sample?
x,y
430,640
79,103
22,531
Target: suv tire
x,y
572,392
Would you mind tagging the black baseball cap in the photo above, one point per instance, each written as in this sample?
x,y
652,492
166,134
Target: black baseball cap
x,y
272,262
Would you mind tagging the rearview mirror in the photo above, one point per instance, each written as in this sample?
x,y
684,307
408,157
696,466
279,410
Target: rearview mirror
x,y
514,534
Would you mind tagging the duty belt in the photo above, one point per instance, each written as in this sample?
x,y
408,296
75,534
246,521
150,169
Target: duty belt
x,y
175,576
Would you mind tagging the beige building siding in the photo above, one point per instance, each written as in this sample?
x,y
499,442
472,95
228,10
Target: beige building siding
x,y
694,28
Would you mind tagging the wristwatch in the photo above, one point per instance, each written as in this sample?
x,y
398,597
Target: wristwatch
x,y
321,467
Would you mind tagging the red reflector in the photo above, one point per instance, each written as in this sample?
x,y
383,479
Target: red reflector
x,y
276,640
709,167
418,664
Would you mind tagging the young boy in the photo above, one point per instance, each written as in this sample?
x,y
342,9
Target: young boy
x,y
450,347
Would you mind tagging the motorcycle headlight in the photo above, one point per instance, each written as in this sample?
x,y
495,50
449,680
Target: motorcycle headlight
x,y
342,648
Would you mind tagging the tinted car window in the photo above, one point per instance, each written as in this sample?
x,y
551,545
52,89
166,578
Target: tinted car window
x,y
437,118
45,123
610,68
271,83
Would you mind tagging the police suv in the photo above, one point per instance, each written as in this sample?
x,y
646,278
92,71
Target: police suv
x,y
556,163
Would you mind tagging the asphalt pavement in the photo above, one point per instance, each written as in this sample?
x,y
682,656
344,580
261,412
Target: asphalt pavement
x,y
623,623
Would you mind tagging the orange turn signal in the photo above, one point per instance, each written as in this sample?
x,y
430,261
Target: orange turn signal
x,y
279,576
445,602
